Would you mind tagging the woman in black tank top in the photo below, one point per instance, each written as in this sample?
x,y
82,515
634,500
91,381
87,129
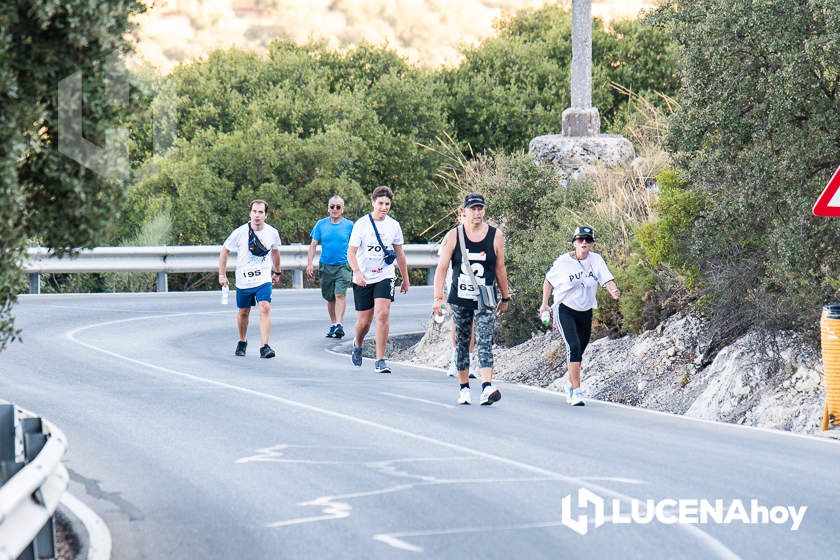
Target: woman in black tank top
x,y
486,259
482,258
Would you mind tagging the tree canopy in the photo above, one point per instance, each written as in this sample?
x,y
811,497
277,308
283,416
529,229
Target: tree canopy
x,y
515,85
43,193
758,134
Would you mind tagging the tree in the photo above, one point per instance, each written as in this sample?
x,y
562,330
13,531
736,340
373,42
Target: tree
x,y
758,132
515,85
293,127
44,194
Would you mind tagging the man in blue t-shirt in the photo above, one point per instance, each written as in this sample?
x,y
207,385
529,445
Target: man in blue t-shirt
x,y
333,233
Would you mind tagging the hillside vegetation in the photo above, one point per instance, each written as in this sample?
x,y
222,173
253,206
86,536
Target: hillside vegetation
x,y
430,33
732,103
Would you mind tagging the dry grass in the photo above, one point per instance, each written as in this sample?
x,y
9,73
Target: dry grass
x,y
626,195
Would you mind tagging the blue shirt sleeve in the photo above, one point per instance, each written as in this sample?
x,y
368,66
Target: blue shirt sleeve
x,y
316,231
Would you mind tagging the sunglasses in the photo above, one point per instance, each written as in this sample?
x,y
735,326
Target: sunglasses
x,y
586,239
336,206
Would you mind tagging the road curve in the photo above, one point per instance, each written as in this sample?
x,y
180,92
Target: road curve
x,y
187,451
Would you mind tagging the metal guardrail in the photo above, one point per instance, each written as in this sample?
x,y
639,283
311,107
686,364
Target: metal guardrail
x,y
185,258
33,481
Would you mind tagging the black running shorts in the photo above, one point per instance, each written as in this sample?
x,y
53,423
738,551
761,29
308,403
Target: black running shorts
x,y
363,296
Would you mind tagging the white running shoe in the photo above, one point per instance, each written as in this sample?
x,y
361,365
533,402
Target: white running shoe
x,y
464,396
577,398
490,395
474,373
568,389
453,366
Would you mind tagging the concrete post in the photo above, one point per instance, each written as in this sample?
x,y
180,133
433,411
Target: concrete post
x,y
162,282
34,283
581,119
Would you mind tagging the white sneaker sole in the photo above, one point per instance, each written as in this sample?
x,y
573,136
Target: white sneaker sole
x,y
491,398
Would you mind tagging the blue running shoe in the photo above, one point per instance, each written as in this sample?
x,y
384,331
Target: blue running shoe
x,y
331,332
339,331
357,356
381,367
266,352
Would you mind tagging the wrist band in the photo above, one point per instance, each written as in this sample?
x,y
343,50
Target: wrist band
x,y
505,299
277,272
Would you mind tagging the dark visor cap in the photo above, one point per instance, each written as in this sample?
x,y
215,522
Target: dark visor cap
x,y
474,199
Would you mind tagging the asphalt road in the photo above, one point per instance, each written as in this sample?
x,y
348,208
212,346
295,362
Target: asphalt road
x,y
187,451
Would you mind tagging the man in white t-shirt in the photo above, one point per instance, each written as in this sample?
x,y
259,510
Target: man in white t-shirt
x,y
257,248
375,244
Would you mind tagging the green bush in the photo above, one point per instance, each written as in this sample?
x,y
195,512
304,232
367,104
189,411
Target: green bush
x,y
665,240
756,133
294,128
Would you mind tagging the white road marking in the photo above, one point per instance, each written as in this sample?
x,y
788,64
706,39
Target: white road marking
x,y
615,479
337,508
713,545
416,399
559,394
274,454
722,425
395,539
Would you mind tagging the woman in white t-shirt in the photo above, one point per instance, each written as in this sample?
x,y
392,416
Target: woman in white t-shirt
x,y
574,278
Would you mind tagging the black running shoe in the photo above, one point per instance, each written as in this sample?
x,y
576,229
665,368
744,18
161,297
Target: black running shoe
x,y
240,347
266,352
356,356
339,331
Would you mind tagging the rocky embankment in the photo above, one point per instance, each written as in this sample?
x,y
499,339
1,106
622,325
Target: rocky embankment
x,y
661,370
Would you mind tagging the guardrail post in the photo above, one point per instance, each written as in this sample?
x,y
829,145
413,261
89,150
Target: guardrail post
x,y
28,532
162,283
31,425
8,469
33,442
7,432
297,279
45,540
430,276
34,283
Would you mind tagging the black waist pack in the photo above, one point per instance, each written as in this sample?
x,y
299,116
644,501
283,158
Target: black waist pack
x,y
254,244
389,255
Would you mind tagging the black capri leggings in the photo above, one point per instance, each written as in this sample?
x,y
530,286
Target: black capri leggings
x,y
576,328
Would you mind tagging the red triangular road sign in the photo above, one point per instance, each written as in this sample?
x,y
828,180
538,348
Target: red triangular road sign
x,y
828,204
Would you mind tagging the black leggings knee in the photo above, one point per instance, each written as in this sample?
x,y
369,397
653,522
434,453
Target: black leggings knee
x,y
576,328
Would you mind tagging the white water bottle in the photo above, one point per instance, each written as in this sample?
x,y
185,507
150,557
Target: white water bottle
x,y
545,317
439,317
225,294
